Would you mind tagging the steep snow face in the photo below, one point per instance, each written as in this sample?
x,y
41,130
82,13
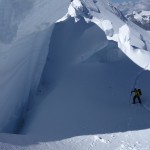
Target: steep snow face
x,y
86,82
20,18
25,31
133,43
11,14
141,18
43,14
117,12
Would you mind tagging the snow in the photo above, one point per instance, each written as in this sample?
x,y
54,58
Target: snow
x,y
142,58
147,13
68,79
20,74
11,14
138,17
142,16
23,56
118,141
106,24
86,94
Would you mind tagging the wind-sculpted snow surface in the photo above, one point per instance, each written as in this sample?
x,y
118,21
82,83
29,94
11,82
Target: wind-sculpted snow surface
x,y
11,14
117,141
20,71
27,27
139,56
75,75
126,37
141,18
88,81
19,18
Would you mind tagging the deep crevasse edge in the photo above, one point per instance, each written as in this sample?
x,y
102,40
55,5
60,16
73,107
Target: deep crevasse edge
x,y
89,11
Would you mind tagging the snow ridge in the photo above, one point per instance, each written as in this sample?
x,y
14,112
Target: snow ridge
x,y
80,8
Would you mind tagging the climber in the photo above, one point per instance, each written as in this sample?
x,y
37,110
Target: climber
x,y
137,95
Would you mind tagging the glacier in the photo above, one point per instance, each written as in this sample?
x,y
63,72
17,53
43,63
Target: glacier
x,y
67,70
23,58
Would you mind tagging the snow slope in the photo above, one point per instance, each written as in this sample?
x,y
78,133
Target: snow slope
x,y
88,81
79,73
92,59
24,42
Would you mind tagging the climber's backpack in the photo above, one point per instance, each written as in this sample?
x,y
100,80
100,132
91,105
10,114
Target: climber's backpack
x,y
139,90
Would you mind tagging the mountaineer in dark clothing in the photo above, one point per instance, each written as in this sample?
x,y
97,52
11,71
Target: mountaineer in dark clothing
x,y
137,95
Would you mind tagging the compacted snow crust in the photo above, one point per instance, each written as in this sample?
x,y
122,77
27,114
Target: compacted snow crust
x,y
138,140
67,73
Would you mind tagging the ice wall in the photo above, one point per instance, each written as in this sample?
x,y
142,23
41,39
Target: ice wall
x,y
25,31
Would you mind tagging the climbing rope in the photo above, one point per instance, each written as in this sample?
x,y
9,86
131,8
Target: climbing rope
x,y
135,83
136,79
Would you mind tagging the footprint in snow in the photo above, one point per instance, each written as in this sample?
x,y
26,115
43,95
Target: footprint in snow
x,y
103,140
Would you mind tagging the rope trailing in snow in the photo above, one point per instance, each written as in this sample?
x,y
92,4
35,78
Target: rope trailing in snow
x,y
136,79
138,76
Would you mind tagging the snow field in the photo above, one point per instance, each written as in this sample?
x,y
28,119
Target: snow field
x,y
75,78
